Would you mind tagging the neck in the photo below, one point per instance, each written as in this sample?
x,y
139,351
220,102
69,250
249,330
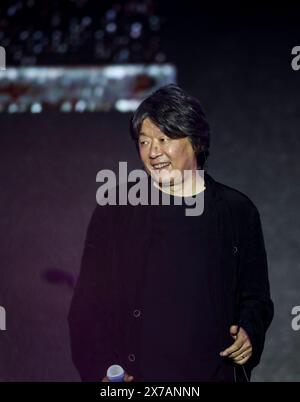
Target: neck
x,y
192,184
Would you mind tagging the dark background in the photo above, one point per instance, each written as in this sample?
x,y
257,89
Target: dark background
x,y
237,61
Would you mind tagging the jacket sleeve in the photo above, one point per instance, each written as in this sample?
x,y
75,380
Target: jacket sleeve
x,y
90,318
255,305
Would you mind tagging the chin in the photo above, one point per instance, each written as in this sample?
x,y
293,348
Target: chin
x,y
164,180
161,176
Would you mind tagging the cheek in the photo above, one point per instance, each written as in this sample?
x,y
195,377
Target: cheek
x,y
143,154
173,152
179,155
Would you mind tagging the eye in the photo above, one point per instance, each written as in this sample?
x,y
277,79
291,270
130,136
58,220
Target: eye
x,y
143,142
163,140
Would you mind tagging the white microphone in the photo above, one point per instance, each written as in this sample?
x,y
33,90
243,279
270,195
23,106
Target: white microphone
x,y
115,373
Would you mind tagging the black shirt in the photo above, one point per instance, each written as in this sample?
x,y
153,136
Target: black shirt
x,y
180,323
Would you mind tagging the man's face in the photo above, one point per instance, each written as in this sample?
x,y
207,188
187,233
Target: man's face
x,y
164,157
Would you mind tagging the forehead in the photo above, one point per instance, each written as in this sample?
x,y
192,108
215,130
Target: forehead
x,y
150,129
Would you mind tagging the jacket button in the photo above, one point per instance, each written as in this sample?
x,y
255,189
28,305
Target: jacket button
x,y
131,357
235,249
136,313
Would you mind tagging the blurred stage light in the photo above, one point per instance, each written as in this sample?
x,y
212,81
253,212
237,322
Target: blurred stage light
x,y
111,27
13,108
119,87
125,105
53,46
136,30
80,106
63,33
66,107
36,108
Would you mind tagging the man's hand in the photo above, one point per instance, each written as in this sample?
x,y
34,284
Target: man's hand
x,y
127,378
241,350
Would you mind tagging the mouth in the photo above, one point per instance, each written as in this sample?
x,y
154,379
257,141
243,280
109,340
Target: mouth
x,y
158,166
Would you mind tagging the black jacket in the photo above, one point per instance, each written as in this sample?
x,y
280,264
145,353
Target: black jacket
x,y
104,326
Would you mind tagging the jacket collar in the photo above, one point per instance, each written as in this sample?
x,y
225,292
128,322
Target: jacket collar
x,y
212,187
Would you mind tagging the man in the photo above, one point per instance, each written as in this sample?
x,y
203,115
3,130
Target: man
x,y
172,297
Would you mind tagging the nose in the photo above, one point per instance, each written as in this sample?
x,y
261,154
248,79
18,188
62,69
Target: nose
x,y
155,150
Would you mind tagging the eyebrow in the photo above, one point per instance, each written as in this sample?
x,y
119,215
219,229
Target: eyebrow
x,y
149,136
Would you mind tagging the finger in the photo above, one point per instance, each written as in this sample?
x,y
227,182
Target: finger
x,y
234,330
128,378
246,344
105,379
244,349
243,360
241,357
233,348
239,336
